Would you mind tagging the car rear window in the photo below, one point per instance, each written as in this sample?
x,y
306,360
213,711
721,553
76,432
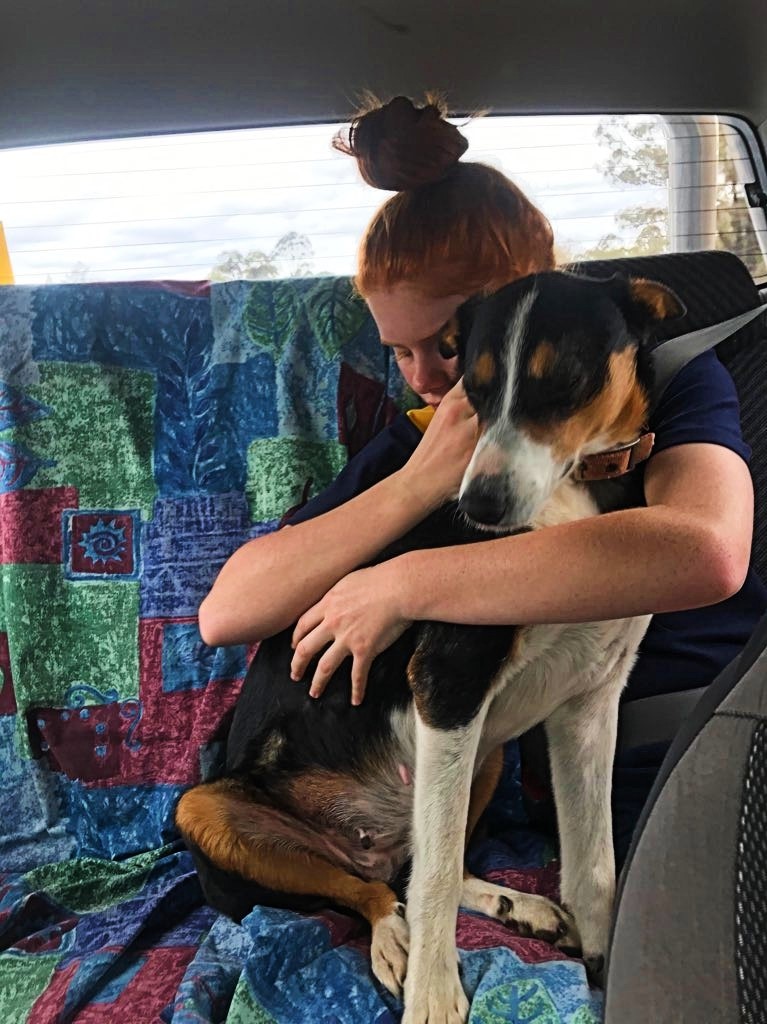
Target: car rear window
x,y
281,202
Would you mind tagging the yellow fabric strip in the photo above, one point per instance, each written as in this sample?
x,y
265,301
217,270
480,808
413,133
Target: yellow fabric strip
x,y
422,417
6,272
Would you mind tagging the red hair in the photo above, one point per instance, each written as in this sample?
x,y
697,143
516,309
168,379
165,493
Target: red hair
x,y
453,228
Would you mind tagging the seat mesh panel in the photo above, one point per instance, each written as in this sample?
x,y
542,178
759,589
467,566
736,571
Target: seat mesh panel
x,y
751,887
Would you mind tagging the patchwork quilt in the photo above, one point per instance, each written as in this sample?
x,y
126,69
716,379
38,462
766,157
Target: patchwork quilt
x,y
146,431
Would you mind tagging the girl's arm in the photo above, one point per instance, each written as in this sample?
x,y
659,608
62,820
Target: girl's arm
x,y
688,548
270,581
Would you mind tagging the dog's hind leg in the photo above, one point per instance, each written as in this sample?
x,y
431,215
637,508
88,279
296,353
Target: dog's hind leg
x,y
264,845
582,734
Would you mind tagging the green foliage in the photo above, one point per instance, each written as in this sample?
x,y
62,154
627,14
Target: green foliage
x,y
636,155
291,257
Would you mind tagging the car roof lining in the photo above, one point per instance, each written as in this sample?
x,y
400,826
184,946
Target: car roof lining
x,y
97,70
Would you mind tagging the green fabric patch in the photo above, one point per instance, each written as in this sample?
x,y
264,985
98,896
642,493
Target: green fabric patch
x,y
244,1009
100,433
585,1016
521,1000
88,884
22,980
279,468
65,633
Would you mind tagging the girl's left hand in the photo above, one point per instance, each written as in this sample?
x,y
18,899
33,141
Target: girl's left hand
x,y
360,616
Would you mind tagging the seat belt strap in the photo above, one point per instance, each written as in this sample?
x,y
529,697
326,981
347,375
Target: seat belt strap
x,y
673,354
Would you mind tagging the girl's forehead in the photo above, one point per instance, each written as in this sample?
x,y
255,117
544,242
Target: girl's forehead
x,y
405,316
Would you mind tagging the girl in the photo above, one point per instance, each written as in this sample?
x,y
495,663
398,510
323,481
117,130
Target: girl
x,y
456,229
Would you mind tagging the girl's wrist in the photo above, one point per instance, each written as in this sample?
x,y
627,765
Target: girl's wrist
x,y
411,596
416,492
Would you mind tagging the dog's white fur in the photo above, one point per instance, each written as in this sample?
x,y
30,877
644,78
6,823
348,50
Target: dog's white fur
x,y
571,677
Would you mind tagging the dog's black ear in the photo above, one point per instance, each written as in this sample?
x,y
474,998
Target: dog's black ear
x,y
643,301
459,329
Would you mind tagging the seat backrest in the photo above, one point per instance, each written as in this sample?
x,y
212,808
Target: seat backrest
x,y
715,286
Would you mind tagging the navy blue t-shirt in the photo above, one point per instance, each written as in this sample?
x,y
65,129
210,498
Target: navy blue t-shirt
x,y
682,650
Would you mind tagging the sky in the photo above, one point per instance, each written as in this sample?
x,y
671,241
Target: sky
x,y
168,206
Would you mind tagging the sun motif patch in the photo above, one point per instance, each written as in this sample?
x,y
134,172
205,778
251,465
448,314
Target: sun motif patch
x,y
101,543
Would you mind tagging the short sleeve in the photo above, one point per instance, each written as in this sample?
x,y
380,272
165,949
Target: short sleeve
x,y
700,405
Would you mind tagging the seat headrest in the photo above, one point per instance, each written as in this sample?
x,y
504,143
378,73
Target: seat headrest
x,y
714,286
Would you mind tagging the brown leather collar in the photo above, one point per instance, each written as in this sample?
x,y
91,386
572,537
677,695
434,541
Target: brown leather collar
x,y
616,461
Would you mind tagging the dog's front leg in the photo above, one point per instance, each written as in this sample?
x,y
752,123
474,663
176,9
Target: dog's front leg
x,y
444,766
581,736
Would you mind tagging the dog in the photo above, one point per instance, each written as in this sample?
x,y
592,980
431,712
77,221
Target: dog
x,y
322,802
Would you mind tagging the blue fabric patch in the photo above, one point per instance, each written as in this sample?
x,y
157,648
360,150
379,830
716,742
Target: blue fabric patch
x,y
189,664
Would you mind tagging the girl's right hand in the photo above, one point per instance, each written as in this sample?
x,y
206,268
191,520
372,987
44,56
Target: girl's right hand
x,y
436,467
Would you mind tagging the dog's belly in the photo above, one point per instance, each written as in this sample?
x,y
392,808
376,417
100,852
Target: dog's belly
x,y
363,820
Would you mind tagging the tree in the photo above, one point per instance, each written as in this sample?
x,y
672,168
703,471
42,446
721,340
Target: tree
x,y
637,154
290,257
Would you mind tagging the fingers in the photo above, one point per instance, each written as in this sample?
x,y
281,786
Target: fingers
x,y
311,618
330,661
310,644
360,670
326,666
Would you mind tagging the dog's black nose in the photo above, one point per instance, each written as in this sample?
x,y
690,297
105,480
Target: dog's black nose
x,y
485,500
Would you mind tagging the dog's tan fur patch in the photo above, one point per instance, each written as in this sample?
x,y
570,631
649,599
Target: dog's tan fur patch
x,y
616,414
659,299
216,818
542,360
484,368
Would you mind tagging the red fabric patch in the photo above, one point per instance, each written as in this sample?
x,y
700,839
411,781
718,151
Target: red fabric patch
x,y
30,524
364,408
143,999
102,543
152,741
478,932
148,992
84,743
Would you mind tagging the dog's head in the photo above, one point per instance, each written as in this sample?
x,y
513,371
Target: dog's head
x,y
555,366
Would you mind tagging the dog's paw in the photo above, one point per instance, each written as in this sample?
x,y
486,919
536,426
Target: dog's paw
x,y
436,999
532,916
389,948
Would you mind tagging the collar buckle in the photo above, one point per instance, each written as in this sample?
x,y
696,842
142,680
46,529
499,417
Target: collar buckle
x,y
616,461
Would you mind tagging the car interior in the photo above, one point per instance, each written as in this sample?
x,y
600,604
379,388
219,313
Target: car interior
x,y
175,378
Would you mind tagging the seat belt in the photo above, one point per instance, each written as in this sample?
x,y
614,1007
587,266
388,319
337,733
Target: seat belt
x,y
673,354
657,719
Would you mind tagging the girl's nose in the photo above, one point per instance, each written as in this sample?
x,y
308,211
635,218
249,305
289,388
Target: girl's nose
x,y
429,373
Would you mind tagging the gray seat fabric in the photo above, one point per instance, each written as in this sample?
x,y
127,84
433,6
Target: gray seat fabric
x,y
689,942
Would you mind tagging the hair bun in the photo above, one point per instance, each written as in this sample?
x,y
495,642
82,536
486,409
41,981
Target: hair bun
x,y
400,146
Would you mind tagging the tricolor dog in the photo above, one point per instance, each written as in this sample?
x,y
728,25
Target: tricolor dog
x,y
323,802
